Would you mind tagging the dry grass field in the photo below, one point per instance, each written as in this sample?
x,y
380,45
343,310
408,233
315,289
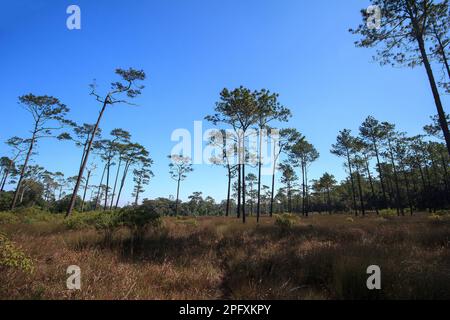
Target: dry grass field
x,y
320,257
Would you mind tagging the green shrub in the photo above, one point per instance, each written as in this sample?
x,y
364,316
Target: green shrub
x,y
29,216
5,200
8,218
139,219
13,257
107,223
41,216
388,213
285,220
85,220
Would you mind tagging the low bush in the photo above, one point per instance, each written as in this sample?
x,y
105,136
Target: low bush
x,y
285,220
136,219
8,218
33,215
139,219
388,213
5,200
107,223
79,221
30,215
13,257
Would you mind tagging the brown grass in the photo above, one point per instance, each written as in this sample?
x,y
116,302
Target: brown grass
x,y
321,257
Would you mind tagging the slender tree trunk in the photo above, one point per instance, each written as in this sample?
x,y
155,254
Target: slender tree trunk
x,y
408,189
240,178
398,199
424,184
85,190
243,192
22,194
303,190
372,188
442,51
258,208
307,190
429,194
85,160
427,175
115,183
435,172
60,192
85,146
238,209
108,167
7,171
5,178
97,200
389,189
352,182
122,183
289,197
91,196
328,200
380,173
24,167
3,173
272,193
251,200
323,198
178,196
413,181
138,190
431,79
361,195
444,165
227,212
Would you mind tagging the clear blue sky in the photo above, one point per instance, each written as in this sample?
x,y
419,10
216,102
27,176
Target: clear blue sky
x,y
190,50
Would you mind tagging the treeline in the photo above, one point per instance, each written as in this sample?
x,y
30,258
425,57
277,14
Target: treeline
x,y
116,159
386,169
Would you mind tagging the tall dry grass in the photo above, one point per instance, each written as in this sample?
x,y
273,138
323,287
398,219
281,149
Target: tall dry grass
x,y
321,257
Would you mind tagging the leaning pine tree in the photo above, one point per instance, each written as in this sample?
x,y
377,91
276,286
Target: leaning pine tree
x,y
406,29
127,86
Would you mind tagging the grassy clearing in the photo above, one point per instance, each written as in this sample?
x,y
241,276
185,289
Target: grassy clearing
x,y
321,257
